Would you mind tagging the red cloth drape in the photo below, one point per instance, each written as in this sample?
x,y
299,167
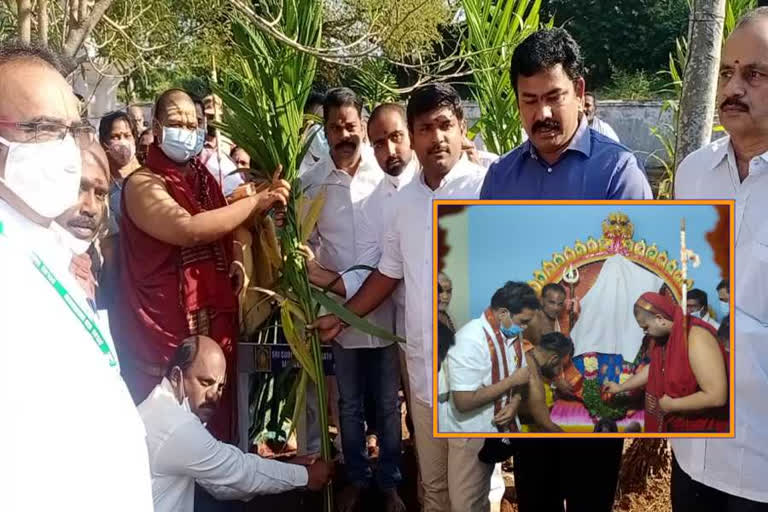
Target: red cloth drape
x,y
166,290
670,373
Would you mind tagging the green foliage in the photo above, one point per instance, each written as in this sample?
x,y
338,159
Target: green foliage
x,y
493,32
629,34
735,9
632,85
264,92
375,83
402,30
399,28
593,402
667,133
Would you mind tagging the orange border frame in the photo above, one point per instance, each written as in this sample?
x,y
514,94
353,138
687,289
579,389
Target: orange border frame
x,y
466,202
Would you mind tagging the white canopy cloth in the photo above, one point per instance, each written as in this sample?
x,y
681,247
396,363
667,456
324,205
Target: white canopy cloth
x,y
607,322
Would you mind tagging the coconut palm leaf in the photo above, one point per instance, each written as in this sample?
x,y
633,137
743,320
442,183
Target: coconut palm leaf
x,y
494,29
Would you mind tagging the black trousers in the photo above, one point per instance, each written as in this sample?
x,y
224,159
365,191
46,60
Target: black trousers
x,y
583,473
688,495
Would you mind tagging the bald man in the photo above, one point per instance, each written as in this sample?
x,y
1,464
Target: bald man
x,y
176,254
94,456
80,224
182,451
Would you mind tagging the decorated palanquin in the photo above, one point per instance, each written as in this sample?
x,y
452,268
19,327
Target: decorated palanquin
x,y
607,276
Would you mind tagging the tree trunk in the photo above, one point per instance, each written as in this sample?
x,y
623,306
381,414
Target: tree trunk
x,y
79,32
697,102
42,22
25,20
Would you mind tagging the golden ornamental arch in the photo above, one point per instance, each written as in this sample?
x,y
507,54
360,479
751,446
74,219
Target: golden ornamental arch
x,y
618,233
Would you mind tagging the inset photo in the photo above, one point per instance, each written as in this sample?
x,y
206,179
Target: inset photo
x,y
583,319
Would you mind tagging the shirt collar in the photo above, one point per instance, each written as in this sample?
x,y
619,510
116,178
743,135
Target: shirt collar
x,y
581,141
367,162
726,148
462,168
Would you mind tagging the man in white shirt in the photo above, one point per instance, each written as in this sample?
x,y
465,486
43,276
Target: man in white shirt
x,y
388,133
318,148
595,123
437,128
214,158
346,178
82,222
182,451
97,457
485,370
728,475
698,306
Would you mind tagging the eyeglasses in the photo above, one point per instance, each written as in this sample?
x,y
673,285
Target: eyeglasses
x,y
46,131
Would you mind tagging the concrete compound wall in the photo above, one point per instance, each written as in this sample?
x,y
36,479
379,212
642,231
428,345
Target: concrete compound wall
x,y
632,121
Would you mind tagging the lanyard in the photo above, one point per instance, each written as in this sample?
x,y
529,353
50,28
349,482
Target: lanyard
x,y
89,325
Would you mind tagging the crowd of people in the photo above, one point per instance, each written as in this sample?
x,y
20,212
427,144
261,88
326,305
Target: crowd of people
x,y
121,237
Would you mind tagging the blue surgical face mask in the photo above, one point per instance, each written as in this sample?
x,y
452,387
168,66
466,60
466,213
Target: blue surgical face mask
x,y
725,308
200,143
179,144
510,332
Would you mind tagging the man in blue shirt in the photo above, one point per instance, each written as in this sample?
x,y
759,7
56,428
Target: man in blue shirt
x,y
563,158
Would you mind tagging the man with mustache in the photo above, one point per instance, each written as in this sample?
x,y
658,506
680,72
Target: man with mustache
x,y
182,452
728,475
491,371
79,225
453,477
98,460
388,135
563,157
346,177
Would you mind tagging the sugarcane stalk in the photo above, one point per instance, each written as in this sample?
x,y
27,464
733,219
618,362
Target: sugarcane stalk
x,y
302,287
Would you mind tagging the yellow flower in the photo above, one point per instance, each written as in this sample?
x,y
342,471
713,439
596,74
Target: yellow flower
x,y
590,364
624,377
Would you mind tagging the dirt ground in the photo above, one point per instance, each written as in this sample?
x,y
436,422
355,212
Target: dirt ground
x,y
656,497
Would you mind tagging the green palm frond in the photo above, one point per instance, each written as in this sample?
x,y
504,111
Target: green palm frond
x,y
375,83
494,29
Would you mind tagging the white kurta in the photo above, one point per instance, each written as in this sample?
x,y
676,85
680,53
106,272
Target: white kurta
x,y
70,436
374,218
334,239
736,466
467,367
182,452
407,254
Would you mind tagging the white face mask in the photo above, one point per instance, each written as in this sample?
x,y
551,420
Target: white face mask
x,y
179,144
67,239
725,308
45,175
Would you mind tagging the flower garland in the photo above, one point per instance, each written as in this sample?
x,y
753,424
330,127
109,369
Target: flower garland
x,y
593,401
593,396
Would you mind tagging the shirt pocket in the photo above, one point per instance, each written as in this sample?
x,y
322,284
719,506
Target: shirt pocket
x,y
751,283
